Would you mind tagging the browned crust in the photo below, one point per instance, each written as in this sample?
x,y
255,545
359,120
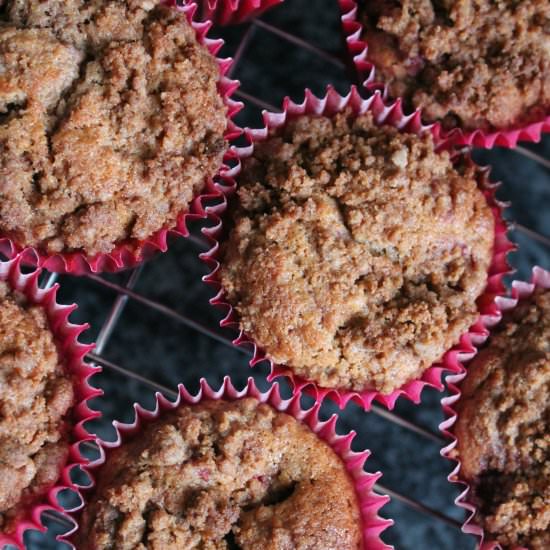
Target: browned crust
x,y
502,427
35,396
357,253
480,64
221,472
110,122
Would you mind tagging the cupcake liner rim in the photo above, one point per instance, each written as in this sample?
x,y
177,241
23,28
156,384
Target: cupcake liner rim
x,y
131,252
331,103
369,502
520,290
234,12
71,354
366,74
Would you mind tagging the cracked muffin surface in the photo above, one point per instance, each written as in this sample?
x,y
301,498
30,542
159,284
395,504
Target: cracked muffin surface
x,y
35,396
222,475
470,63
356,253
110,122
503,427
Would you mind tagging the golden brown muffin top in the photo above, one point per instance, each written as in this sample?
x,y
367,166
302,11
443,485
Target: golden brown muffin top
x,y
35,395
473,63
503,427
89,25
110,122
357,253
221,475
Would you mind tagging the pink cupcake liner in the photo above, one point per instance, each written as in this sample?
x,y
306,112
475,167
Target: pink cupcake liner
x,y
329,105
129,253
520,291
369,501
233,12
71,353
366,74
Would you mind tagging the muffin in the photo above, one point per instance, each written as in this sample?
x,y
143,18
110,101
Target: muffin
x,y
355,252
35,396
219,475
111,122
503,428
474,65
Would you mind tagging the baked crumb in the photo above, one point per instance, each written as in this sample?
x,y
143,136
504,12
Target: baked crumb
x,y
502,427
222,475
110,121
481,64
89,25
357,253
35,395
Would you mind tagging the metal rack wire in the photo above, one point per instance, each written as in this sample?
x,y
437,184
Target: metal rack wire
x,y
126,291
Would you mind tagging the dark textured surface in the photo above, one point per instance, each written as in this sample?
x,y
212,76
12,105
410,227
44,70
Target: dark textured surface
x,y
168,352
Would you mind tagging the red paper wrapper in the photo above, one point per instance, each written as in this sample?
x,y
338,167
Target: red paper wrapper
x,y
369,502
366,74
520,291
232,12
329,105
130,253
71,353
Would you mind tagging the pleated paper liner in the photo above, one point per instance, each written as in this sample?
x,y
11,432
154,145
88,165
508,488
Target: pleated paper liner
x,y
520,291
211,200
369,502
71,354
233,12
329,105
366,74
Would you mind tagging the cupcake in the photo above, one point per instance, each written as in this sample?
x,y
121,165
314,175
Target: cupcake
x,y
503,442
355,252
222,474
472,65
36,393
111,123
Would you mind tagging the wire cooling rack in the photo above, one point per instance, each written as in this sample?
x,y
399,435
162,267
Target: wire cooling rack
x,y
154,328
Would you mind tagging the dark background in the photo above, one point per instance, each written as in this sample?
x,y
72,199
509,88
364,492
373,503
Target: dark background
x,y
167,350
